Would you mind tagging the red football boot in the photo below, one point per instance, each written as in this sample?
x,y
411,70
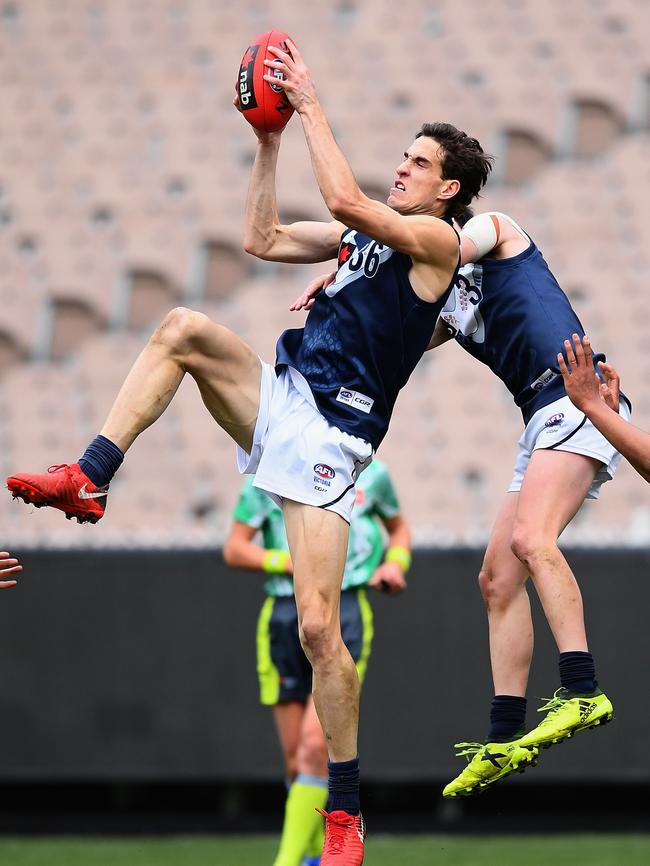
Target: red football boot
x,y
64,487
344,838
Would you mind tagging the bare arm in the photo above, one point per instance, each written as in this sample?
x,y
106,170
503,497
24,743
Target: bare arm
x,y
586,391
264,236
240,551
390,576
491,234
424,238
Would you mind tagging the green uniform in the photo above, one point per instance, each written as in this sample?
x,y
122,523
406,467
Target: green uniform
x,y
283,670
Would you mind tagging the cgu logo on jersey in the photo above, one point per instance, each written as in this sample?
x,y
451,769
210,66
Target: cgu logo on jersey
x,y
246,91
543,380
355,399
461,312
555,420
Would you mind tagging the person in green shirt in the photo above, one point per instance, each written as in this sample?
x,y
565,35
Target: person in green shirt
x,y
285,675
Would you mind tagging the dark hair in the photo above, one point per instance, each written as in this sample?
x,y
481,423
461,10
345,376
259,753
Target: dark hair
x,y
462,158
464,216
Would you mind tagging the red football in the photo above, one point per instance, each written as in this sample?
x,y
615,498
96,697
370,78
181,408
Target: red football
x,y
264,105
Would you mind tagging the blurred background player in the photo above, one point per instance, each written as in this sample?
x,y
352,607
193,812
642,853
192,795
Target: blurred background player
x,y
8,567
285,675
599,400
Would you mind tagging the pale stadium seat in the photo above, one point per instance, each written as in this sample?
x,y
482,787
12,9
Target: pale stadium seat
x,y
123,170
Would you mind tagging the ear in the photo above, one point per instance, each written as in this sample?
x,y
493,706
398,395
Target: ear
x,y
450,189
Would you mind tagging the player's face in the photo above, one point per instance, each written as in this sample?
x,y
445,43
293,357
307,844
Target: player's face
x,y
418,180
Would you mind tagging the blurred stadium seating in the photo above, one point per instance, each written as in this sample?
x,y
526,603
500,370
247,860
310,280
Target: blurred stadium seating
x,y
123,171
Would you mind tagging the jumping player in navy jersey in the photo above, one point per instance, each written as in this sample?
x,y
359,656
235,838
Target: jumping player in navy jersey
x,y
308,426
509,312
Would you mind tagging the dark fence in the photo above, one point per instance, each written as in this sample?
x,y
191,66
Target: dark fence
x,y
141,666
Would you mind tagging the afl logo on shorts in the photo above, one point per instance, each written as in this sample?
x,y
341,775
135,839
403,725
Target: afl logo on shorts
x,y
324,471
555,420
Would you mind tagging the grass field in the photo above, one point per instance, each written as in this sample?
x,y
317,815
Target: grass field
x,y
380,851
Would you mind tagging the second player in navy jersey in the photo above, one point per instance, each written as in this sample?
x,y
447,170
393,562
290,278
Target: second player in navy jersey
x,y
508,311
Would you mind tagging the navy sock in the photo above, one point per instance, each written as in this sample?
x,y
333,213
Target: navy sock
x,y
578,672
507,718
101,460
343,786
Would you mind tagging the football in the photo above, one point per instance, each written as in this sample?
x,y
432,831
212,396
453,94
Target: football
x,y
265,106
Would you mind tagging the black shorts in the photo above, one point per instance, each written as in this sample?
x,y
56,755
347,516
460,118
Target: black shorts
x,y
283,669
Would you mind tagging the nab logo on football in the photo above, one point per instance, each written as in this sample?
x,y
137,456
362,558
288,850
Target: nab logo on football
x,y
324,471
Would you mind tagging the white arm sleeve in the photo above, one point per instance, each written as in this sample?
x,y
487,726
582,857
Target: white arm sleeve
x,y
483,231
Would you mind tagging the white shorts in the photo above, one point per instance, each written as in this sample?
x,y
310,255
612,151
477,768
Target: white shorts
x,y
562,427
297,454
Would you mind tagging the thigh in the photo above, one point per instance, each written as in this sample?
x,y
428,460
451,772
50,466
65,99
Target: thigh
x,y
318,540
555,485
228,373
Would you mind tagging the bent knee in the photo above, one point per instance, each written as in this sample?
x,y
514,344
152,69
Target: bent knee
x,y
181,328
318,634
530,546
498,588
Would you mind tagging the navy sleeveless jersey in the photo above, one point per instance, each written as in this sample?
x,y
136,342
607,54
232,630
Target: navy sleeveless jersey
x,y
362,338
512,315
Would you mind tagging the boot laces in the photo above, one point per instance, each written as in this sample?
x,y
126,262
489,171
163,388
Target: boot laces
x,y
58,467
553,705
336,832
468,750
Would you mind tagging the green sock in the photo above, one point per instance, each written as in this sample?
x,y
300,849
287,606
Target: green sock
x,y
315,847
301,820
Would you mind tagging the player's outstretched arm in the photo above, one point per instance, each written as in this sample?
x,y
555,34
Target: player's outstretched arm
x,y
264,235
240,551
424,238
9,566
599,401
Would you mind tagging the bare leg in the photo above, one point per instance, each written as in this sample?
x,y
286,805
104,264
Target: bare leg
x,y
502,580
289,717
312,749
318,540
225,368
555,486
302,830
